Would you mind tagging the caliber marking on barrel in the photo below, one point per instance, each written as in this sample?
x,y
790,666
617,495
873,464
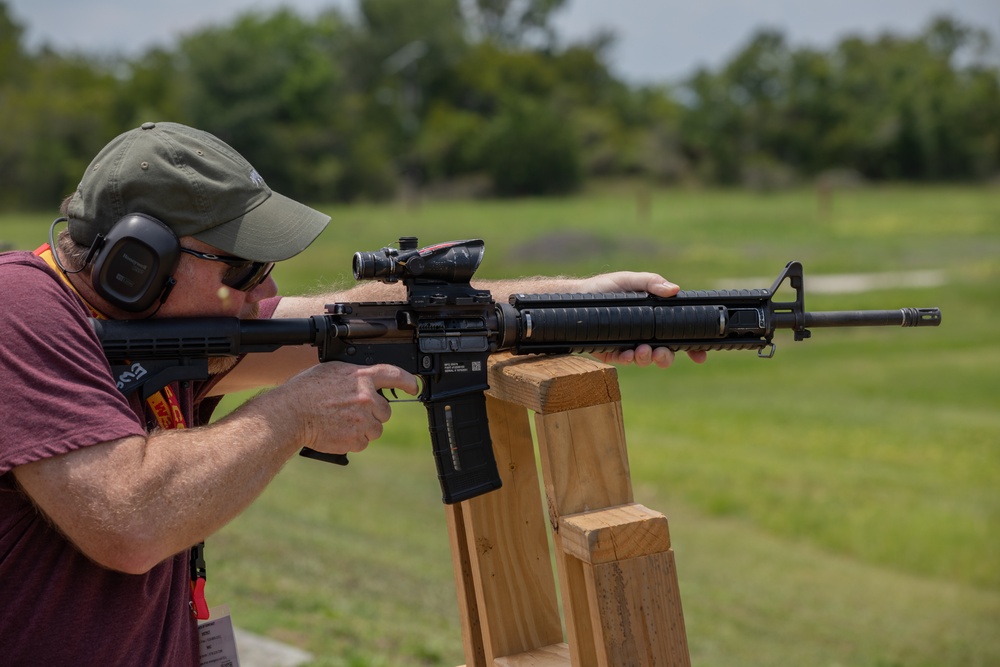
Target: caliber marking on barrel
x,y
449,425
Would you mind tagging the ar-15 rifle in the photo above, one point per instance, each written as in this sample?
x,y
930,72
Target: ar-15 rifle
x,y
446,329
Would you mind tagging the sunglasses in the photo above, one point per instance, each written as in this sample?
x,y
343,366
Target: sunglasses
x,y
242,274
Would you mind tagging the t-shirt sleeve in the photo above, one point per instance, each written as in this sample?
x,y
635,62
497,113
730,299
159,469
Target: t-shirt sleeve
x,y
57,393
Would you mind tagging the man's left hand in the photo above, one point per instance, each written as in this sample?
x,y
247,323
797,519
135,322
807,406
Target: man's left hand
x,y
651,283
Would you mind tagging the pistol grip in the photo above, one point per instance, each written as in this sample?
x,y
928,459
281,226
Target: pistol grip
x,y
339,459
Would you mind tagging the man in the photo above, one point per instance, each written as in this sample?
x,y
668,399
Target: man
x,y
102,496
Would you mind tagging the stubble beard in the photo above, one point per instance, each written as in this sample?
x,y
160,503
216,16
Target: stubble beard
x,y
219,365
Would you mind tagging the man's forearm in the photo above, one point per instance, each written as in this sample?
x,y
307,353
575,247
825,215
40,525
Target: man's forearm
x,y
304,306
131,503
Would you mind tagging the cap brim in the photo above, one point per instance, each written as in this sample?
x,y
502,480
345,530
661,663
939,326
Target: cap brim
x,y
275,230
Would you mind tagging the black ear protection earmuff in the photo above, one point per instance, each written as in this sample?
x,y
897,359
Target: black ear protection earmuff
x,y
134,266
134,262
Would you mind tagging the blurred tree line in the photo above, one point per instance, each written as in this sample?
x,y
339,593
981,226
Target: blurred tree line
x,y
481,96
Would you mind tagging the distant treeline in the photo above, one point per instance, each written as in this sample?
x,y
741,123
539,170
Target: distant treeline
x,y
483,97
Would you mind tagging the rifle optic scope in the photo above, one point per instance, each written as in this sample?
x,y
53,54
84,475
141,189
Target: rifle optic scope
x,y
453,262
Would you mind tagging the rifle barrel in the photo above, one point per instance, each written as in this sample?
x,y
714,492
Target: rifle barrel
x,y
901,317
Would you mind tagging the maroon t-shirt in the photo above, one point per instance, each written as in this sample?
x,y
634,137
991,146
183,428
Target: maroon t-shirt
x,y
57,607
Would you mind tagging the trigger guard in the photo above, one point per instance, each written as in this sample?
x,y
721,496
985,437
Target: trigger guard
x,y
396,399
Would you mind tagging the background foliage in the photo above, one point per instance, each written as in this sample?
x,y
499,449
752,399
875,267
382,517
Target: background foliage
x,y
484,98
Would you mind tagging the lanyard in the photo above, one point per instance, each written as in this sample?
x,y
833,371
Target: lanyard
x,y
166,409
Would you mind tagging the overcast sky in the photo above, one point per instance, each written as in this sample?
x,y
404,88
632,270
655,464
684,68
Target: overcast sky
x,y
659,40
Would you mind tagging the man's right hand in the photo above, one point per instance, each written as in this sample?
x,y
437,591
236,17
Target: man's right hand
x,y
337,406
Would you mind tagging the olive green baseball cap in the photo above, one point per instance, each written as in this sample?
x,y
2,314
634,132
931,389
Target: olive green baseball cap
x,y
198,186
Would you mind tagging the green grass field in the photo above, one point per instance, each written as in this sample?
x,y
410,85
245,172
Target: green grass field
x,y
836,505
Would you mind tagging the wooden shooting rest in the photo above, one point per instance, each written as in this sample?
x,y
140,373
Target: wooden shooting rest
x,y
615,566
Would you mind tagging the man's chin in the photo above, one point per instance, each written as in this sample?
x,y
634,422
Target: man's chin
x,y
218,365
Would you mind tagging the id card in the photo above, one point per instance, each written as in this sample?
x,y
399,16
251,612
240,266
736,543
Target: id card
x,y
216,639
